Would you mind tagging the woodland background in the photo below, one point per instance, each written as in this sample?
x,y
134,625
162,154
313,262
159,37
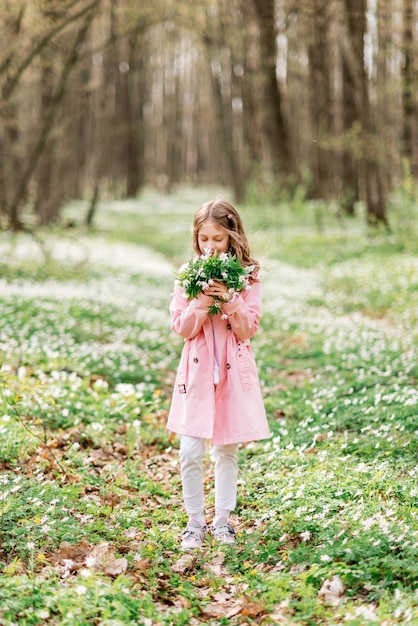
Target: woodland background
x,y
100,98
126,116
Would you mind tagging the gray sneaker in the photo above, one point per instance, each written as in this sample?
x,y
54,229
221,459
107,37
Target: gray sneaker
x,y
193,536
223,532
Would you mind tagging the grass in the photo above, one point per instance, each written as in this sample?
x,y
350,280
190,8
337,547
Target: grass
x,y
90,489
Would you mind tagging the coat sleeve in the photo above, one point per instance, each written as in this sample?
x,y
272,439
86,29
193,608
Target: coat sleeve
x,y
244,312
187,317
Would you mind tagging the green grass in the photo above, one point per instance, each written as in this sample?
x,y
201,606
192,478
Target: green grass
x,y
87,367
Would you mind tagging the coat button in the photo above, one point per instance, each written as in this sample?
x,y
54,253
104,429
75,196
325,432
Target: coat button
x,y
195,360
228,366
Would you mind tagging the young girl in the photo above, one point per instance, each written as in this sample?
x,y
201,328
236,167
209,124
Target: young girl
x,y
217,393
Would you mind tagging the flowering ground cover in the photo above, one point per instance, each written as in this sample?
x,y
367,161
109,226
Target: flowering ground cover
x,y
327,516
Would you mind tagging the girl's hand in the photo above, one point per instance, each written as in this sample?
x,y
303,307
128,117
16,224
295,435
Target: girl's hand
x,y
218,290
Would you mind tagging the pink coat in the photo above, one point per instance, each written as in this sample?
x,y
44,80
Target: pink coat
x,y
231,411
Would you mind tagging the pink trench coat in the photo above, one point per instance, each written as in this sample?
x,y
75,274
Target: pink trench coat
x,y
231,411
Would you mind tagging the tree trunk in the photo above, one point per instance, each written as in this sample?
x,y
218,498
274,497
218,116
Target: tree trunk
x,y
276,126
234,172
135,100
374,183
48,122
349,168
409,84
45,188
319,99
370,163
350,114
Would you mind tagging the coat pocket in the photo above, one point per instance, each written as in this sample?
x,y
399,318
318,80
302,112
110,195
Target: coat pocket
x,y
244,362
183,367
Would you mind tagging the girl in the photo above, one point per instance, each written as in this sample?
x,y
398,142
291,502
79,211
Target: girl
x,y
217,393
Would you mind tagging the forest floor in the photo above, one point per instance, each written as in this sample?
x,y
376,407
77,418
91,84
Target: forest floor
x,y
91,511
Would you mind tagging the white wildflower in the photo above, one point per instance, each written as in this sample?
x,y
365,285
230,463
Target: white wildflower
x,y
325,558
90,561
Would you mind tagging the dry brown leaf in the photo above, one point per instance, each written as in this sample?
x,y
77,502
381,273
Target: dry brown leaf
x,y
322,437
131,532
332,590
184,564
310,451
253,609
101,557
76,553
114,567
142,565
280,617
217,609
215,565
111,499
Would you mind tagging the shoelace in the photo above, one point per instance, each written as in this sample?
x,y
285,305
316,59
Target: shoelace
x,y
193,532
225,529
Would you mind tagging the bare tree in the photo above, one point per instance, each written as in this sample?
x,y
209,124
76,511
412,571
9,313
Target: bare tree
x,y
276,125
371,170
409,87
319,97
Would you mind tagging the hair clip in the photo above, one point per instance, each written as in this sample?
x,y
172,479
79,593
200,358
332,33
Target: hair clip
x,y
229,216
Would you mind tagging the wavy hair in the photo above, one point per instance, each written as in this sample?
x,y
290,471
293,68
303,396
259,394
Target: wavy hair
x,y
226,217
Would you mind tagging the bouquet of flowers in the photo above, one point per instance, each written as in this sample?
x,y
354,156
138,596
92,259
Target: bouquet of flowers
x,y
198,274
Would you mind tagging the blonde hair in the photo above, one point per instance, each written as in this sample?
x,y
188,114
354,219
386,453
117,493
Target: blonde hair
x,y
225,216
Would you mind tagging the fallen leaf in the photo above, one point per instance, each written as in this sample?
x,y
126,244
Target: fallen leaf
x,y
332,590
101,558
76,553
142,565
215,565
111,499
114,567
184,564
253,609
217,609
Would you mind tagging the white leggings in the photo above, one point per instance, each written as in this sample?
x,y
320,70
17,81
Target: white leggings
x,y
192,451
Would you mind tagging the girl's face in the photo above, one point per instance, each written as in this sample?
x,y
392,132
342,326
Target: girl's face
x,y
213,237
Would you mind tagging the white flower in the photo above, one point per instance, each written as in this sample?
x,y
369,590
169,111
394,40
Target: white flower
x,y
325,558
100,384
90,561
80,590
305,535
368,523
84,572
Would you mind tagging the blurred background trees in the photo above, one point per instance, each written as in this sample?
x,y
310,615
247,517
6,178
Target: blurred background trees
x,y
106,96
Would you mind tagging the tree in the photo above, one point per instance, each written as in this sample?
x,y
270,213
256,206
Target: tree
x,y
358,88
409,88
13,74
319,98
276,125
